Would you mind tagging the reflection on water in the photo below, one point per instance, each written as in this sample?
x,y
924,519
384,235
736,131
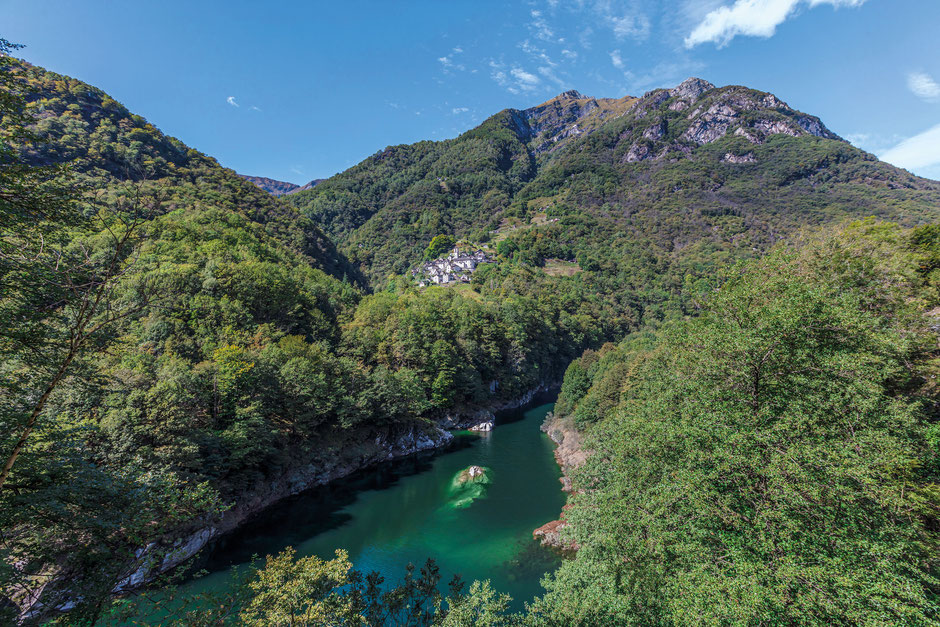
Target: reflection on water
x,y
420,507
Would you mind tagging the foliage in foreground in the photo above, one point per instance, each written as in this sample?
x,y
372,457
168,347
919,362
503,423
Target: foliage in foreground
x,y
287,590
773,461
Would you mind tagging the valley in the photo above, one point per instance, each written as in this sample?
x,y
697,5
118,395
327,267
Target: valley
x,y
200,366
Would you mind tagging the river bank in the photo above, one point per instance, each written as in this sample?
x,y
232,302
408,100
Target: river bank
x,y
341,456
569,454
415,508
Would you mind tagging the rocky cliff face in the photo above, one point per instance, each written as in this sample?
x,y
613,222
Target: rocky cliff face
x,y
674,122
338,459
666,121
553,123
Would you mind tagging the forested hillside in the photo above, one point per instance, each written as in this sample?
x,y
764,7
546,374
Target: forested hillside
x,y
179,341
181,334
779,451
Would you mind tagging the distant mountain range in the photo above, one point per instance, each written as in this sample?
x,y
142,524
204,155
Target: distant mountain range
x,y
279,188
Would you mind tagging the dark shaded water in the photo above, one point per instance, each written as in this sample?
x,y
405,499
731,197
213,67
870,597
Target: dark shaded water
x,y
410,510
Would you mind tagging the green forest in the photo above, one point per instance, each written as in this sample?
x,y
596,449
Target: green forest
x,y
748,349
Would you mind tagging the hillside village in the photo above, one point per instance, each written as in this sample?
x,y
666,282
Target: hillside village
x,y
455,267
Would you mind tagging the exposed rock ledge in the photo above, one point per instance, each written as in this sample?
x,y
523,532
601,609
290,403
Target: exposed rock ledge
x,y
337,462
569,454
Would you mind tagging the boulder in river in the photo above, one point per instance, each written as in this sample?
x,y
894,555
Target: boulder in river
x,y
473,474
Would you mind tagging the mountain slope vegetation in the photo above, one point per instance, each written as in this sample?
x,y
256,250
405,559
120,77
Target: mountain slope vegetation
x,y
779,451
223,341
226,341
721,171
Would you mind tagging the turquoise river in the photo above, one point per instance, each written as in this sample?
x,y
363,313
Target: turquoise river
x,y
411,509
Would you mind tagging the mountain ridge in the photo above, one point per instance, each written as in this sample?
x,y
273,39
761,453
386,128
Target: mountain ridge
x,y
279,188
670,153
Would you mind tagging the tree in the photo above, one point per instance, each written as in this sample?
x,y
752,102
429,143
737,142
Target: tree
x,y
83,276
440,245
289,591
772,453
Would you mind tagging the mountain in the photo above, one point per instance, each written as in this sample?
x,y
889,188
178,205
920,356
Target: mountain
x,y
236,356
271,186
279,188
108,147
690,166
307,185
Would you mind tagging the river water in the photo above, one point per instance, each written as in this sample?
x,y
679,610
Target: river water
x,y
411,509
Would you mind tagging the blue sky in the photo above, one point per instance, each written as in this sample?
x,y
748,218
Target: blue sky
x,y
302,90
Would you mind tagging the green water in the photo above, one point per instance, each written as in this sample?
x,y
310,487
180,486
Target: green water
x,y
410,510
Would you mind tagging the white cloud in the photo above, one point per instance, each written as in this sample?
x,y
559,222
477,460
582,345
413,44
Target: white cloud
x,y
923,86
254,108
616,59
516,80
459,110
538,54
525,79
754,18
858,139
549,73
625,19
457,50
916,153
231,101
569,54
448,64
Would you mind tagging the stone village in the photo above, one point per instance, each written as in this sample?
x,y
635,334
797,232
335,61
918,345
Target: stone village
x,y
457,266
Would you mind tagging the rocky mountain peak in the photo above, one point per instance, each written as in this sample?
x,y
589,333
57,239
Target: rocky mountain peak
x,y
571,94
676,121
691,89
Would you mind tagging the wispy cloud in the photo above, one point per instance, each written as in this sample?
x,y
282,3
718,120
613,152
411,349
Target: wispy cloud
x,y
923,86
231,101
616,59
540,27
631,26
916,153
626,19
754,18
448,62
254,108
514,79
525,79
459,110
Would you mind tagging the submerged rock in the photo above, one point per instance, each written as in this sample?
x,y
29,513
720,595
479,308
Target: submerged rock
x,y
468,485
